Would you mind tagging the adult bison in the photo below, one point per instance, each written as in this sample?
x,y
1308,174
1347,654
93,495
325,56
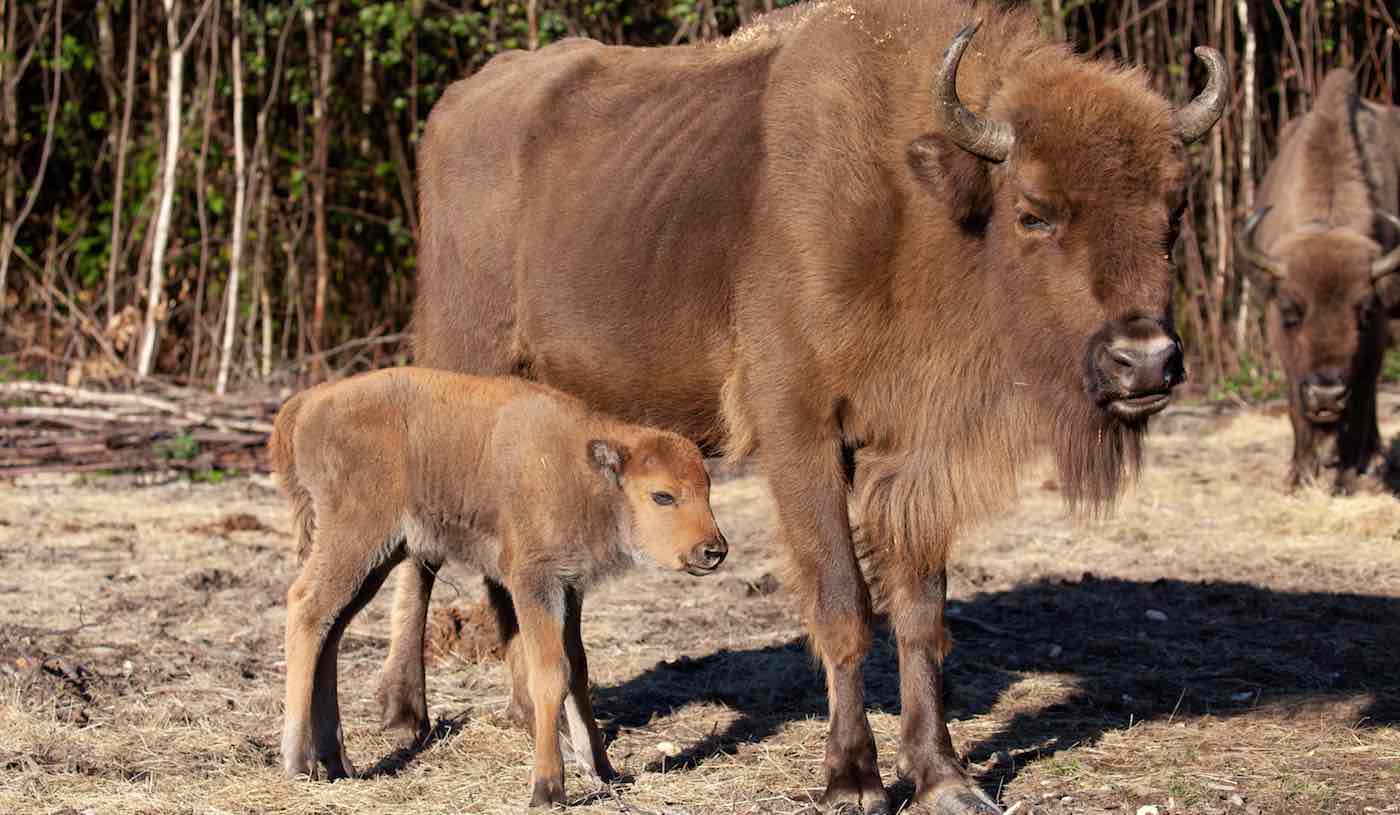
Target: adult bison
x,y
800,242
1317,248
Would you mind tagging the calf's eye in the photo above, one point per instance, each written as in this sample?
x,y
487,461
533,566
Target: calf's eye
x,y
664,499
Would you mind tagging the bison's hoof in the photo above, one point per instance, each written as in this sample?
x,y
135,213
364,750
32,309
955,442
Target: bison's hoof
x,y
852,794
548,792
957,799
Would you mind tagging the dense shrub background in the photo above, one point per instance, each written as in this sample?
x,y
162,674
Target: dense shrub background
x,y
335,95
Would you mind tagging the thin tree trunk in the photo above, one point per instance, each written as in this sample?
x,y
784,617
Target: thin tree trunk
x,y
123,141
320,154
532,22
239,197
174,81
1220,221
10,231
9,117
1246,158
260,269
404,172
107,54
202,276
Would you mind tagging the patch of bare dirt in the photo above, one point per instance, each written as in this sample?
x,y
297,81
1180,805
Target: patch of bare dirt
x,y
1214,647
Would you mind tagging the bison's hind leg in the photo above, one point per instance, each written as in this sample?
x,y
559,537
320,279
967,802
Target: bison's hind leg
x,y
346,567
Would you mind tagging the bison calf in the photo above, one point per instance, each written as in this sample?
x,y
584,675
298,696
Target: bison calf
x,y
514,479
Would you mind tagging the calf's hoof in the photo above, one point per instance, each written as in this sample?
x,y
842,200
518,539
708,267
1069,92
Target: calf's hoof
x,y
604,770
338,766
585,758
296,765
405,724
547,793
956,798
405,731
853,793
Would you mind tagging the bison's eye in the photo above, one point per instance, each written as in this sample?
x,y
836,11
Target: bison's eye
x,y
1364,310
664,499
1031,221
1291,313
1177,213
1173,228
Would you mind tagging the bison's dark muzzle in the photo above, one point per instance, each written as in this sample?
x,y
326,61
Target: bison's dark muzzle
x,y
1324,398
1133,367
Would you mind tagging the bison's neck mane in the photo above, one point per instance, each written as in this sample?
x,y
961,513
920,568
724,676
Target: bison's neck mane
x,y
1332,177
948,443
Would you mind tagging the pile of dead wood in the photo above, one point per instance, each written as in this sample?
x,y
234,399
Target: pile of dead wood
x,y
49,428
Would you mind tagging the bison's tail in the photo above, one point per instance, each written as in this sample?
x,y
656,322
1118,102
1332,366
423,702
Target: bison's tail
x,y
282,452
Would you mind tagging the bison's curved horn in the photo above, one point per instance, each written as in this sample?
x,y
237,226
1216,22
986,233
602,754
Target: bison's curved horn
x,y
1251,254
1388,263
980,135
1200,114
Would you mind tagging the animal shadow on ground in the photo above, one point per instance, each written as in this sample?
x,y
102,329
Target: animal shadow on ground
x,y
1222,649
391,764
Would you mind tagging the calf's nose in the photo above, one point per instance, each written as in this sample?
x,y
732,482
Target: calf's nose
x,y
711,553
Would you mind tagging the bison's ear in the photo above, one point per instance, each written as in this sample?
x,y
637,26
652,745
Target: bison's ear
x,y
1388,290
610,459
1265,284
953,174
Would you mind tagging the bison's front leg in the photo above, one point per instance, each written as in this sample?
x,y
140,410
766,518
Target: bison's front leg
x,y
810,490
1305,465
926,752
1358,440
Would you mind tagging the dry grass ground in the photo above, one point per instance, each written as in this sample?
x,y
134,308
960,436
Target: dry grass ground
x,y
141,639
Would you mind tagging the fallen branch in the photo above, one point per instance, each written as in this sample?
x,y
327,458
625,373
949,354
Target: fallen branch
x,y
48,428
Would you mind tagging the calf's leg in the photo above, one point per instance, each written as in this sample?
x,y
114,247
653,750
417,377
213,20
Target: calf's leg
x,y
926,754
521,711
540,611
325,704
584,735
346,566
402,687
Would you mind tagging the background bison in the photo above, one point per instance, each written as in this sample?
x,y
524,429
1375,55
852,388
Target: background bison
x,y
827,257
1324,248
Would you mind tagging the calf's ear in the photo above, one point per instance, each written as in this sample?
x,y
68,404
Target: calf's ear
x,y
609,458
954,175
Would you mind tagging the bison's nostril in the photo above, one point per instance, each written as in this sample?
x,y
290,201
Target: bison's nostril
x,y
1122,356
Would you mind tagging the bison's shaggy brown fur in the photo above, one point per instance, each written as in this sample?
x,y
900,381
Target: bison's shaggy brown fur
x,y
1317,248
892,265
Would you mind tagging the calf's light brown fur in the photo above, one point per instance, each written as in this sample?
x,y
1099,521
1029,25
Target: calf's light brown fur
x,y
509,477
